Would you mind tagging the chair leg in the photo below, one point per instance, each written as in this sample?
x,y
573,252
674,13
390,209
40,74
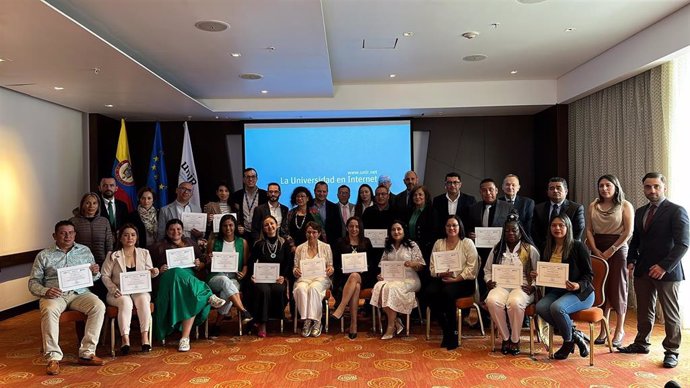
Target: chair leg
x,y
550,341
239,321
493,336
327,315
459,313
607,329
373,319
481,321
151,331
428,323
112,337
530,322
407,321
281,326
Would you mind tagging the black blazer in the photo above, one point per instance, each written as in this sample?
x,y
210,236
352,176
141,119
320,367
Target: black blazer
x,y
525,209
540,221
400,203
474,215
440,206
333,224
262,211
237,200
425,235
121,213
579,268
664,243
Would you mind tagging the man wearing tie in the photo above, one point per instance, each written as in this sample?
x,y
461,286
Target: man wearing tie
x,y
557,204
404,199
452,202
112,209
346,208
523,205
659,242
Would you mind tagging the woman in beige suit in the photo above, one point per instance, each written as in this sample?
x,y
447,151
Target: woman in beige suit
x,y
127,259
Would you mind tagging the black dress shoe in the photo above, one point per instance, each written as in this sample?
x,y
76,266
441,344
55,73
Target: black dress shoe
x,y
565,350
124,350
670,360
514,348
633,348
145,348
352,335
600,341
505,347
246,316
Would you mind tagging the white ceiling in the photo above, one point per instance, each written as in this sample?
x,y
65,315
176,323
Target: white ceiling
x,y
153,64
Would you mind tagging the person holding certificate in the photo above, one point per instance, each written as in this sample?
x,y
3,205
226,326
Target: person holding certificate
x,y
227,283
609,221
577,292
507,275
222,206
353,242
398,296
182,300
269,298
129,258
310,288
448,285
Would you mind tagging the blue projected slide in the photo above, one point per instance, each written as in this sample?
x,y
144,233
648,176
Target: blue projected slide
x,y
349,153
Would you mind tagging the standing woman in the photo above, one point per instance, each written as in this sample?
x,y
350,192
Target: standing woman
x,y
365,199
92,229
578,291
445,287
182,299
420,220
222,206
609,227
398,296
127,259
269,299
299,216
353,242
228,283
514,249
309,292
145,218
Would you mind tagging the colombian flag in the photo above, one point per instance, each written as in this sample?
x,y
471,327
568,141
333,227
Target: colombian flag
x,y
122,171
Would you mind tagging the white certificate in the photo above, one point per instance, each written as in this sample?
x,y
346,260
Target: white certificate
x,y
487,237
446,261
180,257
393,270
354,262
377,237
552,274
225,262
216,221
75,277
194,221
313,268
266,272
135,282
507,276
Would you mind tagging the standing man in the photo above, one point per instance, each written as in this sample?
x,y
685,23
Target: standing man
x,y
328,213
113,209
180,205
659,242
452,202
523,205
557,204
273,208
43,283
245,200
404,199
345,208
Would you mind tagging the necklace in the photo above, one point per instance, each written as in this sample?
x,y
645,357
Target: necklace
x,y
272,248
297,223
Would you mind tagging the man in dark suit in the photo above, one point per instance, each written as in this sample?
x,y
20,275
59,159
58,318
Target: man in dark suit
x,y
345,208
557,204
523,205
272,207
246,200
329,213
404,199
452,202
659,242
113,209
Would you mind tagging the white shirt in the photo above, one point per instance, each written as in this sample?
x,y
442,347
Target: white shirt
x,y
275,212
452,205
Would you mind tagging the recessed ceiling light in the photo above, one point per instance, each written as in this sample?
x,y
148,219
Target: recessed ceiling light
x,y
251,76
474,58
2,60
392,75
513,72
470,34
211,25
109,105
58,87
570,29
235,55
264,92
408,34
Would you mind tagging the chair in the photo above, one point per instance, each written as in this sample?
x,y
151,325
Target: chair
x,y
531,314
594,314
327,306
239,318
111,313
461,304
363,296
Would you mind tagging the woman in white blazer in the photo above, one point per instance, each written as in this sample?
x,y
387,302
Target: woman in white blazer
x,y
127,259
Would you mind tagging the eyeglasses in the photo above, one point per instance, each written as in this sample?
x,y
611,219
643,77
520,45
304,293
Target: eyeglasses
x,y
381,194
184,189
250,176
453,183
301,196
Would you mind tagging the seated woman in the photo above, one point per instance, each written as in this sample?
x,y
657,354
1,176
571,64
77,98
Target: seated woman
x,y
228,283
445,286
309,292
577,292
182,300
351,284
515,249
269,299
127,259
398,296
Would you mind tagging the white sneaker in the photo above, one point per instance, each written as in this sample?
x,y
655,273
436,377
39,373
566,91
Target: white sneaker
x,y
184,345
306,329
216,302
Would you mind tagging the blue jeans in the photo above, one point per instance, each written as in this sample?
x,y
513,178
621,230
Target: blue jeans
x,y
555,306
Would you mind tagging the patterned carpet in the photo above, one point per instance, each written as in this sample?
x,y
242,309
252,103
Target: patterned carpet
x,y
289,360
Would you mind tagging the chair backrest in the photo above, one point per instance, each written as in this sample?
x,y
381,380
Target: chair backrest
x,y
600,267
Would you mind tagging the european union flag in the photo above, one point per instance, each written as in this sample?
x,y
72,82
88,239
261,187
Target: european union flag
x,y
158,178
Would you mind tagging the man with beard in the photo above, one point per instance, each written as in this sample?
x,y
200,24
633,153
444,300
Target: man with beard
x,y
273,208
113,209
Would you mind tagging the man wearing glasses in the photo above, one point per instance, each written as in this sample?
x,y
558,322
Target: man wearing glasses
x,y
452,202
246,200
175,210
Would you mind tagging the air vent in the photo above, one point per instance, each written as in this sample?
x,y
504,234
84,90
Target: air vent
x,y
380,44
474,58
211,25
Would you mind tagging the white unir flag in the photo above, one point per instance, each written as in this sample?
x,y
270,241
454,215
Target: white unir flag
x,y
188,169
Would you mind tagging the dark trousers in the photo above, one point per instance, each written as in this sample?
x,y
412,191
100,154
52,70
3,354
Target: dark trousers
x,y
646,292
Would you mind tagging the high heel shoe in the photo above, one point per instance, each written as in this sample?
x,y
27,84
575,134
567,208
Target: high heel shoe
x,y
145,348
581,344
352,335
124,350
565,350
618,339
399,327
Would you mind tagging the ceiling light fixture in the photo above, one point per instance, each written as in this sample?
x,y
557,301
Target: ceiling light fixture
x,y
474,58
470,34
251,76
570,29
513,72
109,105
211,25
235,55
408,34
2,60
392,75
58,88
264,92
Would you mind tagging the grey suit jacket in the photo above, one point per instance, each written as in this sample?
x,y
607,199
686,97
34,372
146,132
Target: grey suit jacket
x,y
540,220
169,212
474,215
